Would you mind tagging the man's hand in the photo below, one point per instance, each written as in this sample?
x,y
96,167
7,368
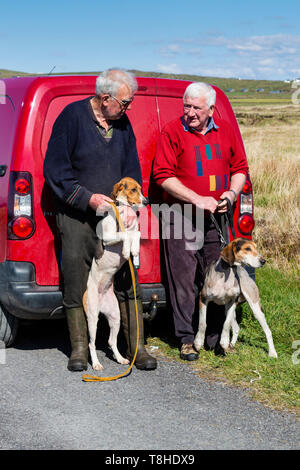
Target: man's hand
x,y
178,190
100,203
206,203
222,206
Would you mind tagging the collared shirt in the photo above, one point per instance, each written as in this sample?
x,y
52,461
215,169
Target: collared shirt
x,y
211,125
107,134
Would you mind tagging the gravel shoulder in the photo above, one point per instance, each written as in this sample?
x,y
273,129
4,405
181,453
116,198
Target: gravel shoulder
x,y
44,406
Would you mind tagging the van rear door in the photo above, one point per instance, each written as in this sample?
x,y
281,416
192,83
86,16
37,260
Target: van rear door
x,y
8,124
144,120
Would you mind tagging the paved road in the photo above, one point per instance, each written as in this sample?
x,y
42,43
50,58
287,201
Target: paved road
x,y
43,406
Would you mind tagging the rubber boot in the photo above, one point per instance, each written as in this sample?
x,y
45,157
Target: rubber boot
x,y
128,315
79,341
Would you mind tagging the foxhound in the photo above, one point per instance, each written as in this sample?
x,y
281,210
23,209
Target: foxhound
x,y
228,283
117,246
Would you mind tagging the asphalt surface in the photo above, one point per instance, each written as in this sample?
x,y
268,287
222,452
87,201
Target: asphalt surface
x,y
44,406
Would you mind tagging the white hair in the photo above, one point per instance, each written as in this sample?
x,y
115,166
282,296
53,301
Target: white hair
x,y
199,89
111,80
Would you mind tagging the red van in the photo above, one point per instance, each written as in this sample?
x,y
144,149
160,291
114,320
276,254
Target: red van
x,y
30,280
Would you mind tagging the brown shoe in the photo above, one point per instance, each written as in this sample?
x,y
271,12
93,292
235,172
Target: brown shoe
x,y
188,353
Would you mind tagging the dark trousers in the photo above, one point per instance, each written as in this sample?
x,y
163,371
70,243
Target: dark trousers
x,y
79,244
185,270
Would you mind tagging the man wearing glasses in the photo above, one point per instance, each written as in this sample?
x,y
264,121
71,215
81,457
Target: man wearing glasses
x,y
198,161
92,147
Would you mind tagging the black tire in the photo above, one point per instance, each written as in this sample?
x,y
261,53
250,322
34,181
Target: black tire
x,y
8,327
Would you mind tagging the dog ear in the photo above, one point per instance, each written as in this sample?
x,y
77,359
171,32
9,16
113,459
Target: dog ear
x,y
227,254
239,242
116,189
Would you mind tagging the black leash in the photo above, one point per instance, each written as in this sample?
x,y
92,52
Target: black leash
x,y
229,219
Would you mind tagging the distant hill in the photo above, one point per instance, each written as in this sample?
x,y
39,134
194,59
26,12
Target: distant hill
x,y
12,73
238,90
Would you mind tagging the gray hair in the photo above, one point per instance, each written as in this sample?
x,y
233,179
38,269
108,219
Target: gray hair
x,y
199,89
111,80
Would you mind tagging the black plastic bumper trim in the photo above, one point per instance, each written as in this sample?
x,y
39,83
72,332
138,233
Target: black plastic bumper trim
x,y
23,298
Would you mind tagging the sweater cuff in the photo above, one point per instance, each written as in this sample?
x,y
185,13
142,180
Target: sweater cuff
x,y
244,172
160,180
81,199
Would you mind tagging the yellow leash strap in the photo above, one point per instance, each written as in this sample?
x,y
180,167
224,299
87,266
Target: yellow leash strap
x,y
96,378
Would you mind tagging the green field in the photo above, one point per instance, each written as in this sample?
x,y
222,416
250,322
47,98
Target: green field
x,y
237,96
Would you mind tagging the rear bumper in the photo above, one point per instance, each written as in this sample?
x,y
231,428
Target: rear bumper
x,y
23,298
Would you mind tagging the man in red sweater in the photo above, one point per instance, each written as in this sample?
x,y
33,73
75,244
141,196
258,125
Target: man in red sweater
x,y
198,161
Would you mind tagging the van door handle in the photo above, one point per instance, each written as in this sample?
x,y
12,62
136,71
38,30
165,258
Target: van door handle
x,y
3,169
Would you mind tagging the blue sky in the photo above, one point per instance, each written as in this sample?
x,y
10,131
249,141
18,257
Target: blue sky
x,y
256,40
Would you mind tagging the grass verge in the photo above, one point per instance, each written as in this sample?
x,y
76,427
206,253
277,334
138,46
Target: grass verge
x,y
272,382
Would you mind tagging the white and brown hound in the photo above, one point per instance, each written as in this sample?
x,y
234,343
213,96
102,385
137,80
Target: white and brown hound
x,y
117,245
228,283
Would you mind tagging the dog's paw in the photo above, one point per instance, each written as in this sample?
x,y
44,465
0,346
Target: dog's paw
x,y
225,346
124,361
120,359
97,366
198,343
125,254
273,354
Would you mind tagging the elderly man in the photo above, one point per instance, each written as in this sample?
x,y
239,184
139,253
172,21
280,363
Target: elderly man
x,y
198,161
92,146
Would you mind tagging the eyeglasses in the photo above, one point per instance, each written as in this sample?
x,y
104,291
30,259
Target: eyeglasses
x,y
122,103
187,107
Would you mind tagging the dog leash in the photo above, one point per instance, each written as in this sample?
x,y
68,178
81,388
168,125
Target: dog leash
x,y
96,378
229,219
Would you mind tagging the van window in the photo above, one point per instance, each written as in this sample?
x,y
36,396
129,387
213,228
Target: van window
x,y
55,108
144,121
8,118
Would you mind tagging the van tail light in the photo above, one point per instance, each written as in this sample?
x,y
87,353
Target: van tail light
x,y
22,227
246,220
20,217
246,224
22,186
247,188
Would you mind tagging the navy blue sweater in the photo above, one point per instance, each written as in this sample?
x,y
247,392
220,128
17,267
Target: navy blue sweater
x,y
80,161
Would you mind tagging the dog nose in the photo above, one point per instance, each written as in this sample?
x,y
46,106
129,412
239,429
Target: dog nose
x,y
262,261
145,201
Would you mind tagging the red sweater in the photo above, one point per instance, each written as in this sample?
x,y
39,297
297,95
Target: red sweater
x,y
203,163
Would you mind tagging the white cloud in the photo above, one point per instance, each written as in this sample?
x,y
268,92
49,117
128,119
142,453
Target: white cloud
x,y
245,47
267,61
271,57
169,68
170,50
